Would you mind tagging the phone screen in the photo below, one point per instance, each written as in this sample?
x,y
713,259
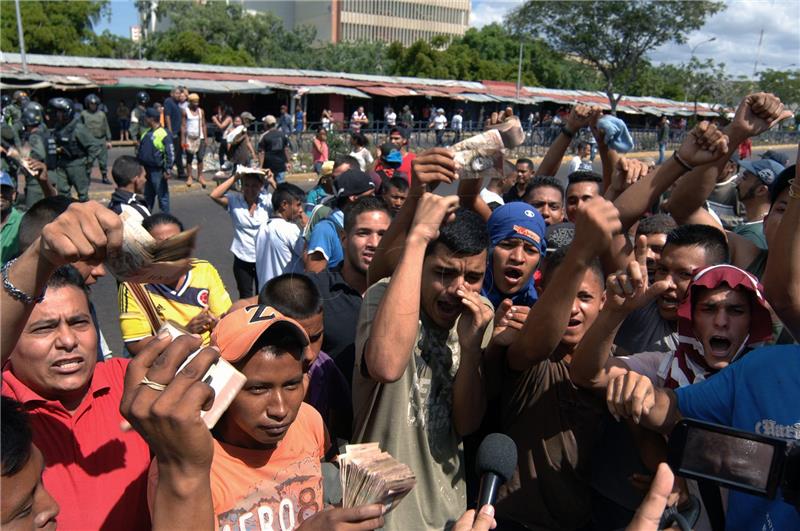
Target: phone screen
x,y
727,458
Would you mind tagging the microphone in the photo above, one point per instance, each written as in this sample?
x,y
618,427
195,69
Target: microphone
x,y
495,464
331,484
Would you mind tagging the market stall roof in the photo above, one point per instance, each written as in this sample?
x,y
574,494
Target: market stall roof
x,y
389,92
329,89
71,73
197,85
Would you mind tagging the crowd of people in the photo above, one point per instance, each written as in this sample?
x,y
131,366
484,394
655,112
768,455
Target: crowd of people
x,y
582,321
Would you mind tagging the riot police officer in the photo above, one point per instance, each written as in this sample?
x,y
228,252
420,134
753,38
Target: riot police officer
x,y
36,136
14,111
138,127
72,143
96,122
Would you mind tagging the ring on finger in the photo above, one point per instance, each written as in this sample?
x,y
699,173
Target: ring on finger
x,y
155,386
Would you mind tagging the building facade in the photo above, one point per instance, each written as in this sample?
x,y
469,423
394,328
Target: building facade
x,y
405,21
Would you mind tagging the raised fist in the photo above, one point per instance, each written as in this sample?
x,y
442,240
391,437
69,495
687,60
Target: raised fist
x,y
758,113
704,144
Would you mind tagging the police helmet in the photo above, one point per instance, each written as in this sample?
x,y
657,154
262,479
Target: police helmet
x,y
5,100
19,95
31,118
91,99
36,106
64,105
142,97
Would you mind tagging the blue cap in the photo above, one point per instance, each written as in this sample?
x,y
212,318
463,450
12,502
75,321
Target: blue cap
x,y
517,220
5,179
152,112
765,169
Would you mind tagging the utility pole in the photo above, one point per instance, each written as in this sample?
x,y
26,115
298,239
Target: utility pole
x,y
21,39
519,68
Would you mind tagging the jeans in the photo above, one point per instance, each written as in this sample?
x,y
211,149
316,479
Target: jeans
x,y
662,149
246,277
440,137
280,177
318,168
156,185
176,143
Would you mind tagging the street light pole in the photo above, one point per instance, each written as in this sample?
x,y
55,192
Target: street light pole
x,y
21,39
519,68
712,39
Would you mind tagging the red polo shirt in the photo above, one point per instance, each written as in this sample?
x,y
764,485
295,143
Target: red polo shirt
x,y
96,472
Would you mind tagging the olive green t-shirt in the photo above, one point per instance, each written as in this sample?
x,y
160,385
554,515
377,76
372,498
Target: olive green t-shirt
x,y
412,419
97,124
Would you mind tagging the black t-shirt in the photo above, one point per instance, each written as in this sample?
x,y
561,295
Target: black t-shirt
x,y
341,305
273,144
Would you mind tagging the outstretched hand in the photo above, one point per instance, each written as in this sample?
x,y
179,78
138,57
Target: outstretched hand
x,y
508,322
703,145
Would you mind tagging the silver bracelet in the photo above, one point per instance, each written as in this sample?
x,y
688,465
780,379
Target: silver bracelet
x,y
15,292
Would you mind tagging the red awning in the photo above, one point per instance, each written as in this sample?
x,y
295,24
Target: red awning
x,y
389,92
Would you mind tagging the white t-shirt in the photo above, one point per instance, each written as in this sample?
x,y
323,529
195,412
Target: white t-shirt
x,y
391,119
457,122
193,128
245,225
279,250
490,197
654,365
364,158
440,122
578,164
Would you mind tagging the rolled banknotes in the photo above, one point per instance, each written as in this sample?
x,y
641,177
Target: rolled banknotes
x,y
147,261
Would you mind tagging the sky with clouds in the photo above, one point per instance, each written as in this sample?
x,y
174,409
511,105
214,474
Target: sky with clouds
x,y
736,31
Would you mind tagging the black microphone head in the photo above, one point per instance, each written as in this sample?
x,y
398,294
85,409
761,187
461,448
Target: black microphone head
x,y
331,484
497,453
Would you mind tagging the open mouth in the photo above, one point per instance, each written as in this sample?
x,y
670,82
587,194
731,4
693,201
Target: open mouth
x,y
512,275
573,323
668,301
449,309
720,346
68,365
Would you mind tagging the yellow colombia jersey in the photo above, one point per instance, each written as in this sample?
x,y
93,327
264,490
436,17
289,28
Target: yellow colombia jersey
x,y
202,288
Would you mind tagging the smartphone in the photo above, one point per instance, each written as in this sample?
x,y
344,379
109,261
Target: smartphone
x,y
736,459
223,378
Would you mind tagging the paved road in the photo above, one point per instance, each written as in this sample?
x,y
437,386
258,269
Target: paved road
x,y
194,208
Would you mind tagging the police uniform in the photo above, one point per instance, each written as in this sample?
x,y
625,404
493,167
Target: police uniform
x,y
97,124
10,139
38,142
74,143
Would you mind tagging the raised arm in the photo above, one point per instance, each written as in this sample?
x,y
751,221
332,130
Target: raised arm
x,y
48,190
218,193
756,114
703,146
85,231
596,225
782,275
430,168
592,365
394,329
579,117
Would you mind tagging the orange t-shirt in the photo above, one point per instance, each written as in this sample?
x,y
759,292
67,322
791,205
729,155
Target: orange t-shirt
x,y
276,489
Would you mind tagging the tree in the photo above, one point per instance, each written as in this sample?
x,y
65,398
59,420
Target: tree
x,y
218,32
785,85
612,36
61,28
